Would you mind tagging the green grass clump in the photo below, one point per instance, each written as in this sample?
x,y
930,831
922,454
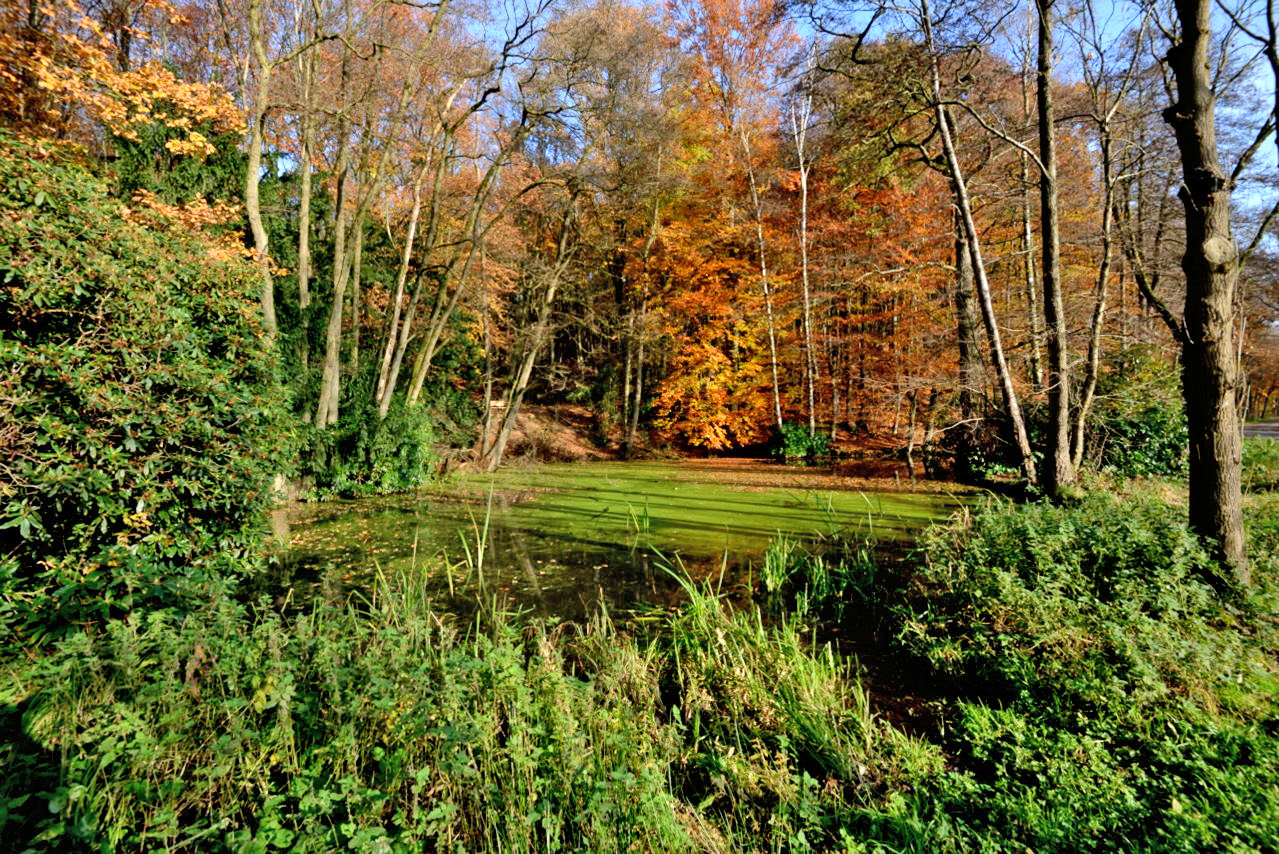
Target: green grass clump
x,y
832,579
240,733
779,737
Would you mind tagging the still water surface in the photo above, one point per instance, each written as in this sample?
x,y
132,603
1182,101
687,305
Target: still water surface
x,y
559,539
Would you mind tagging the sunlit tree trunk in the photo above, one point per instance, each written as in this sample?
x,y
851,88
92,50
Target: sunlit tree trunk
x,y
1088,389
253,166
972,371
1210,375
538,335
959,189
1059,470
799,129
761,247
1033,314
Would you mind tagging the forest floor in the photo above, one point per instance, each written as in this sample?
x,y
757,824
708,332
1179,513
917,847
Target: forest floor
x,y
571,433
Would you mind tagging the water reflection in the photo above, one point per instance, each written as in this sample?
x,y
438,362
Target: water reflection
x,y
561,541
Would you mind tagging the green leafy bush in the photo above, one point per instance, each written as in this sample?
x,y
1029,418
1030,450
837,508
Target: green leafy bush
x,y
138,400
1260,465
1108,698
364,454
794,442
1138,424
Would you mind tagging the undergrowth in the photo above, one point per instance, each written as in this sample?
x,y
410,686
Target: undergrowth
x,y
1092,693
387,726
1106,698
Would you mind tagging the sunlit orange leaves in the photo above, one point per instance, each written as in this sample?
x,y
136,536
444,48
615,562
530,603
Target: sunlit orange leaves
x,y
65,76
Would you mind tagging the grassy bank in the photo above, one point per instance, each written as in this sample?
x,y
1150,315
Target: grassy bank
x,y
1089,691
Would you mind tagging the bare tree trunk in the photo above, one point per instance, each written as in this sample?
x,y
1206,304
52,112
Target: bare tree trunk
x,y
345,248
1089,389
306,70
633,427
1033,313
799,128
326,408
357,268
972,371
1059,471
381,394
1012,406
761,246
538,337
1210,378
253,168
963,204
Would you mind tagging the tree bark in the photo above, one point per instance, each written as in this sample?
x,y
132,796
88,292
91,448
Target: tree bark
x,y
972,371
1059,469
1210,376
253,168
963,205
1089,388
1033,313
761,247
540,333
799,126
385,388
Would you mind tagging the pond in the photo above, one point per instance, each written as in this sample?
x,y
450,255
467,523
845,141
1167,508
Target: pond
x,y
560,539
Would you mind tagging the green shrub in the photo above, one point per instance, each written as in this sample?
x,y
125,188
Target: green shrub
x,y
364,454
1260,465
138,399
1138,424
794,442
1109,699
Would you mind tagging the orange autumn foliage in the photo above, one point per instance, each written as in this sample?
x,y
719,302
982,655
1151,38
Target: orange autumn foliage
x,y
63,76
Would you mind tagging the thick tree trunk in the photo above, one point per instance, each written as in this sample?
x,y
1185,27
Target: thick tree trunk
x,y
1210,376
1059,470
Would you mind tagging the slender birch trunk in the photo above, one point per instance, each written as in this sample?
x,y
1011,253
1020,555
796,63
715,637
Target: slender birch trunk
x,y
960,190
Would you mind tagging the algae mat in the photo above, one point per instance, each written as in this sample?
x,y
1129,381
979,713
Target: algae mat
x,y
700,509
559,538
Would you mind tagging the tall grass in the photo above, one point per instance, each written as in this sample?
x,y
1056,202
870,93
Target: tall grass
x,y
1091,693
384,724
